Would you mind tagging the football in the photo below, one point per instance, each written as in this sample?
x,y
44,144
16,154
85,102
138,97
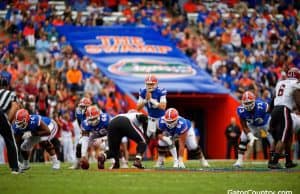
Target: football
x,y
84,163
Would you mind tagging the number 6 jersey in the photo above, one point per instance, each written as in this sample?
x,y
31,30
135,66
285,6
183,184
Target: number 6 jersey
x,y
284,92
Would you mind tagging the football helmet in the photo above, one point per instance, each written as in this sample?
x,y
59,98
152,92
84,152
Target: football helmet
x,y
248,100
92,115
151,82
294,73
22,118
83,104
171,117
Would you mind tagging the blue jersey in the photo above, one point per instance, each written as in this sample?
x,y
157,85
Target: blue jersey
x,y
79,116
33,125
101,128
258,116
183,125
156,94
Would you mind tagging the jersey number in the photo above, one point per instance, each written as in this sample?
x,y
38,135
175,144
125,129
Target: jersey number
x,y
281,90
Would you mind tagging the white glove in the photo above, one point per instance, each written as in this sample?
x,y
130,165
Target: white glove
x,y
26,135
167,140
251,138
154,103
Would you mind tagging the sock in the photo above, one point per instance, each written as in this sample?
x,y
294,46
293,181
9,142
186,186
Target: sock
x,y
139,157
53,158
160,158
240,157
288,158
174,153
26,162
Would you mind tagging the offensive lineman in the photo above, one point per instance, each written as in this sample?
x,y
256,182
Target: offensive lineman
x,y
93,127
35,129
171,125
254,117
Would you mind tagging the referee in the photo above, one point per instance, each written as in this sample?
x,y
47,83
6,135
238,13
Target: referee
x,y
132,125
8,109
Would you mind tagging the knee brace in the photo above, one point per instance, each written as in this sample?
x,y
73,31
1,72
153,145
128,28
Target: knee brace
x,y
78,151
162,150
242,147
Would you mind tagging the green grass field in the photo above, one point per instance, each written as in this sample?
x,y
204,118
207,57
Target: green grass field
x,y
218,179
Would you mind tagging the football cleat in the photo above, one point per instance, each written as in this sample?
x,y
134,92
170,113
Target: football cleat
x,y
181,164
204,163
124,164
290,165
16,171
75,166
238,164
56,165
24,167
138,164
274,166
159,164
115,165
176,164
101,161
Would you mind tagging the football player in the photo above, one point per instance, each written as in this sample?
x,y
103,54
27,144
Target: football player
x,y
281,120
254,116
170,126
132,125
80,116
154,98
33,129
81,108
93,127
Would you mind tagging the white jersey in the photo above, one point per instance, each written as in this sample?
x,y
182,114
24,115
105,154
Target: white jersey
x,y
132,118
284,93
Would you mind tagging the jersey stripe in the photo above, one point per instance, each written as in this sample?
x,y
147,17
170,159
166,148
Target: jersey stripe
x,y
6,97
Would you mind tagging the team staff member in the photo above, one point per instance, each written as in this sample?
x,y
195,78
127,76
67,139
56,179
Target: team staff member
x,y
8,109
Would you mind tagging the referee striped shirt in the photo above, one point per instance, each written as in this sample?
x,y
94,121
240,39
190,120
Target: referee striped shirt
x,y
6,97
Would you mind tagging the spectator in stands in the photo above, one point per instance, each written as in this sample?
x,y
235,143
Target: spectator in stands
x,y
29,33
112,105
74,78
80,5
43,51
31,86
92,86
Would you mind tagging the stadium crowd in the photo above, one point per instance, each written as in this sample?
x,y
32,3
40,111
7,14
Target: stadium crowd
x,y
243,45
